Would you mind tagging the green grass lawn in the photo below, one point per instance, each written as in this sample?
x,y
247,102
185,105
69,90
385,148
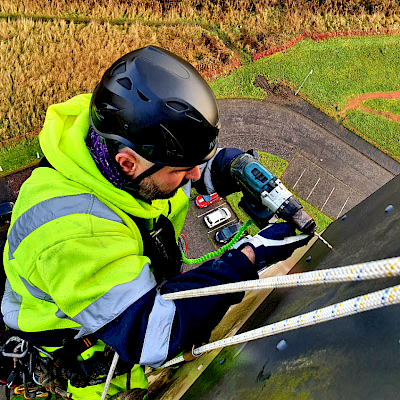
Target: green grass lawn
x,y
389,105
381,130
19,155
342,68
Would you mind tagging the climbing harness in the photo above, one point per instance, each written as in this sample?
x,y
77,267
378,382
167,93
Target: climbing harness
x,y
189,262
357,272
18,363
34,372
160,245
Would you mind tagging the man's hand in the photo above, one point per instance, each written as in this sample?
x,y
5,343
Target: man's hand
x,y
249,253
274,243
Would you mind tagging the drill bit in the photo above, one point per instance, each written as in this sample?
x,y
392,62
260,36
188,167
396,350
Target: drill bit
x,y
320,237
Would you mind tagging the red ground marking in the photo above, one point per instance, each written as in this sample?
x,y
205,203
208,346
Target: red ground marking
x,y
355,102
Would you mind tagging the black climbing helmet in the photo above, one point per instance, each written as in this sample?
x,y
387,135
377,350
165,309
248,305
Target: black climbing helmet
x,y
157,104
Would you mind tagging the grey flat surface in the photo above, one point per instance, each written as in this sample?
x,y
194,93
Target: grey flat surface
x,y
315,149
281,95
3,393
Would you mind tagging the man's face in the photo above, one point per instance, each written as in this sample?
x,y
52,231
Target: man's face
x,y
166,182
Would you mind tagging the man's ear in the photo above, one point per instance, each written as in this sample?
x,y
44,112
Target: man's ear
x,y
127,162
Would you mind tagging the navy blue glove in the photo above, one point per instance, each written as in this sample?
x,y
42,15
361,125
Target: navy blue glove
x,y
221,178
274,243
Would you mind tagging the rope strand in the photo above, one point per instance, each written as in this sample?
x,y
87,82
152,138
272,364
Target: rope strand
x,y
357,272
381,298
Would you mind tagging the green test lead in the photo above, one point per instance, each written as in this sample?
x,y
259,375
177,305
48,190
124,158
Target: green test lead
x,y
219,251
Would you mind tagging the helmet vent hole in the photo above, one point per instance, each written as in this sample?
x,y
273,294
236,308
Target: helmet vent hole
x,y
194,116
142,96
177,106
119,69
125,82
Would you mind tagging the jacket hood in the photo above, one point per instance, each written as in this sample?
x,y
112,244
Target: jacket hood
x,y
62,140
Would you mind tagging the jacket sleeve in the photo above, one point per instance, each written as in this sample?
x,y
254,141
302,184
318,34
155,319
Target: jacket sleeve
x,y
152,330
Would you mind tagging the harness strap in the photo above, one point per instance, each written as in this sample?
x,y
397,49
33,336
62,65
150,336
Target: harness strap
x,y
160,246
73,348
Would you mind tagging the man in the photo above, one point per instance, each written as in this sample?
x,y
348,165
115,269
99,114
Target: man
x,y
89,251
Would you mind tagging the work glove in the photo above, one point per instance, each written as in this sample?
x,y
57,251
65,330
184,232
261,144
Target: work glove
x,y
221,178
274,243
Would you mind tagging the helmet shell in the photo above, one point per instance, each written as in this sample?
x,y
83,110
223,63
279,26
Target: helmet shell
x,y
157,104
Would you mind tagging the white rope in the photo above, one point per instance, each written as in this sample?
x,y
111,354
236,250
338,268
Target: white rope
x,y
110,375
355,305
357,272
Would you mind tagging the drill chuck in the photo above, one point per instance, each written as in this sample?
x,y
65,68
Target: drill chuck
x,y
303,222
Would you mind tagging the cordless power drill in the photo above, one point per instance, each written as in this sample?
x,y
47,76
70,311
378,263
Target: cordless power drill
x,y
265,197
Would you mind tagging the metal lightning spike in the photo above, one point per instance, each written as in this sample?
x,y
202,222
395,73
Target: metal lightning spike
x,y
320,237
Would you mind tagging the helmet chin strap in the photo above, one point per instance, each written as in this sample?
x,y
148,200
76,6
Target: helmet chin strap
x,y
132,186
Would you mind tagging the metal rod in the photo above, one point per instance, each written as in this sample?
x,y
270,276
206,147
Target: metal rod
x,y
303,82
323,240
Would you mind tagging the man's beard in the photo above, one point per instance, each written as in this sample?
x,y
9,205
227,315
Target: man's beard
x,y
149,191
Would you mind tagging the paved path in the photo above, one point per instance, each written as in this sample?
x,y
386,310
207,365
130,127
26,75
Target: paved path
x,y
285,132
329,166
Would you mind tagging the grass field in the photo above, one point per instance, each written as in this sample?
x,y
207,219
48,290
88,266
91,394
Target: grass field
x,y
20,154
342,69
32,85
388,105
47,62
249,26
381,130
50,51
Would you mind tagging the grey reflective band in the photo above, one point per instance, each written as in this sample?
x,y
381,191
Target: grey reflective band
x,y
156,341
99,313
36,292
52,209
10,306
113,303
